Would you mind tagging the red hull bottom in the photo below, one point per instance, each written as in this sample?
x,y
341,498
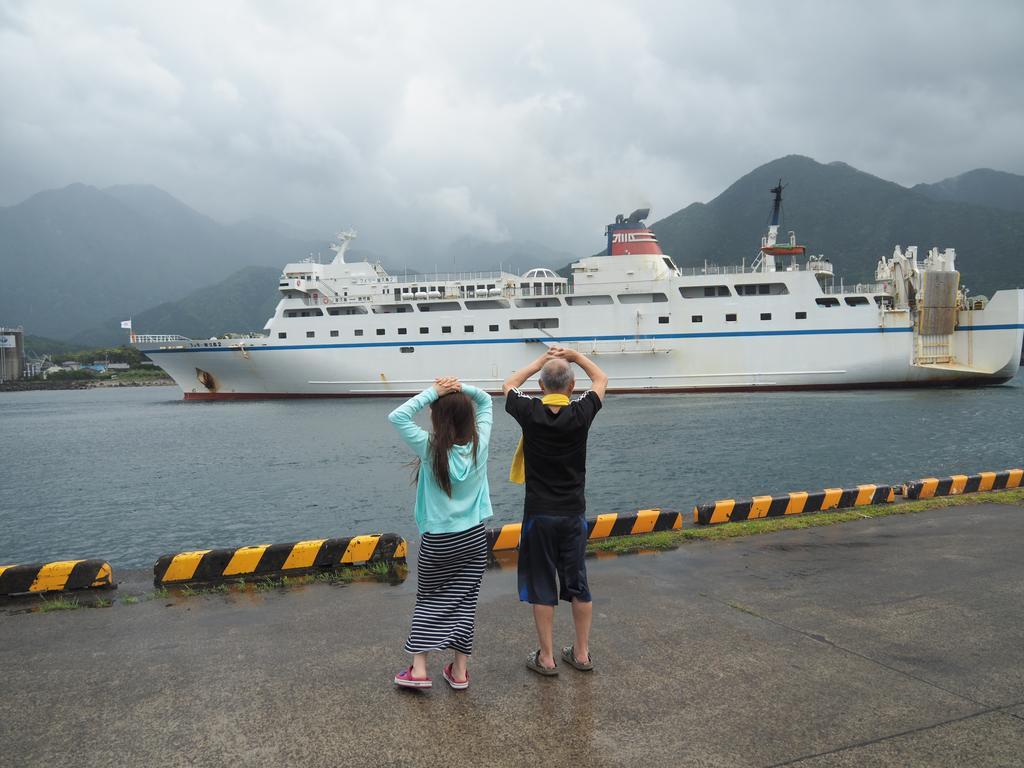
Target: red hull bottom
x,y
972,382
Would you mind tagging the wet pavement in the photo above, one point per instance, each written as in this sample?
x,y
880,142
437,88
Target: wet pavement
x,y
886,642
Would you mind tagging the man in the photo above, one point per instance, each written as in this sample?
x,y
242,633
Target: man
x,y
553,542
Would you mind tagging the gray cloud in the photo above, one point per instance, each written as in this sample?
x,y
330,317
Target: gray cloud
x,y
419,123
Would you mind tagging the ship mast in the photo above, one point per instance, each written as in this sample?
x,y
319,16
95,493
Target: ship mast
x,y
773,228
767,256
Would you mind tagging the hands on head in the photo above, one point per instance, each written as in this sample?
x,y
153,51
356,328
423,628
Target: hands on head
x,y
562,353
598,378
554,352
445,385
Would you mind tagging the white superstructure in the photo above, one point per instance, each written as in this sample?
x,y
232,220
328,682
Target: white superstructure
x,y
781,322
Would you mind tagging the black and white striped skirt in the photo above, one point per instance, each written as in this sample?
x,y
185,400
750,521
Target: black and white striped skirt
x,y
449,567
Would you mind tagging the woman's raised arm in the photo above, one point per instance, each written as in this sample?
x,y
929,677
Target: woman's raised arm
x,y
484,411
403,419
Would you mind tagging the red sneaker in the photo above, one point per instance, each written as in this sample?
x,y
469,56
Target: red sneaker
x,y
450,679
406,680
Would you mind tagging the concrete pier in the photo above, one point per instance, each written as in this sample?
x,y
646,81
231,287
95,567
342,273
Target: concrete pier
x,y
887,642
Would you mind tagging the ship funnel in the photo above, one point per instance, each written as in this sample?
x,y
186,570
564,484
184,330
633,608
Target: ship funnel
x,y
629,236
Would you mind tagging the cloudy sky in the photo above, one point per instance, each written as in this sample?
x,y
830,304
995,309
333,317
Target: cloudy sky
x,y
420,122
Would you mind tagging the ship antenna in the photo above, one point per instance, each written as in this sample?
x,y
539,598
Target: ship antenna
x,y
777,202
339,247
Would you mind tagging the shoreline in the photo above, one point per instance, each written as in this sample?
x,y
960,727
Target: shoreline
x,y
32,386
136,581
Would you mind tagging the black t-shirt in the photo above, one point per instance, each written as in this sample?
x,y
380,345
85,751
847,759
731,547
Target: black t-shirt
x,y
555,450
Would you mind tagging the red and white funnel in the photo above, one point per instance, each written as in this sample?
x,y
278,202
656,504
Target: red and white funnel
x,y
630,236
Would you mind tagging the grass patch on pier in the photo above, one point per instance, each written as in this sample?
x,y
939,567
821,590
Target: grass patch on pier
x,y
62,602
46,605
665,540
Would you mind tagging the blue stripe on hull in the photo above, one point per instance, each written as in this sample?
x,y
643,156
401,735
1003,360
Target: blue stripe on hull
x,y
616,337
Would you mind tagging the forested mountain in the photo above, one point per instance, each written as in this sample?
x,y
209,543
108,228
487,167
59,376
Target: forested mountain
x,y
239,304
982,186
73,257
36,346
850,216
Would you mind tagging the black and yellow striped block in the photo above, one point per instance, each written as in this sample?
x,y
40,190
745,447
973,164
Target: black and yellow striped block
x,y
269,559
954,485
60,576
796,503
600,527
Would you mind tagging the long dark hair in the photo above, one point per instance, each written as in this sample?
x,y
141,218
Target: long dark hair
x,y
453,418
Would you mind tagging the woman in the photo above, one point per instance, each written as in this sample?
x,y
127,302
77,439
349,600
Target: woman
x,y
452,501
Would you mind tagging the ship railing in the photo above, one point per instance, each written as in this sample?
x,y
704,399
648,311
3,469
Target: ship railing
x,y
157,338
715,269
754,268
847,288
440,277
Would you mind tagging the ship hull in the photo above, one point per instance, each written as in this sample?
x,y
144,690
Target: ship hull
x,y
836,348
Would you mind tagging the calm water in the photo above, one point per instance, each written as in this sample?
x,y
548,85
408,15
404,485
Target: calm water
x,y
130,474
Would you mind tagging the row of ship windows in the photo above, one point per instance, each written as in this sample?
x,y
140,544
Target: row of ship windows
x,y
826,301
698,291
423,330
550,322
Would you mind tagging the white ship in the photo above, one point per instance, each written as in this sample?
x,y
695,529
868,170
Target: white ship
x,y
782,322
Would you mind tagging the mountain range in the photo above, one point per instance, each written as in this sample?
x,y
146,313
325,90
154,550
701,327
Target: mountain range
x,y
853,218
78,255
240,303
982,186
84,258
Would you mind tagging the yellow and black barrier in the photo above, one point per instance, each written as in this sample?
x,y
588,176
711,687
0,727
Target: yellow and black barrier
x,y
60,576
954,485
600,527
796,503
207,565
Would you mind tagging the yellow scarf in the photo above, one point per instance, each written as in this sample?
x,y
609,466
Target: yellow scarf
x,y
517,474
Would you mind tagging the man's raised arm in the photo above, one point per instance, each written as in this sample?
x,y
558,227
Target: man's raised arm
x,y
518,378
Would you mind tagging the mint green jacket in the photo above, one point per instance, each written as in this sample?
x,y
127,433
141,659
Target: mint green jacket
x,y
470,502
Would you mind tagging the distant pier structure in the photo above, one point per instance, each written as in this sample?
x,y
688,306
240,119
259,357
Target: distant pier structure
x,y
12,354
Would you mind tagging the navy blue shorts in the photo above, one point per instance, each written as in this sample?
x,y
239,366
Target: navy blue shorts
x,y
552,560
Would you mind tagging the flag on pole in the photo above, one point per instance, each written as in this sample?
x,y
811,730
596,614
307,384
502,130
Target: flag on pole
x,y
126,324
